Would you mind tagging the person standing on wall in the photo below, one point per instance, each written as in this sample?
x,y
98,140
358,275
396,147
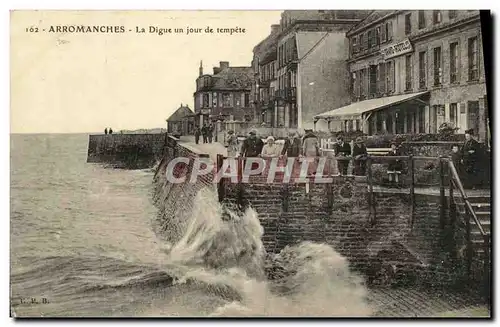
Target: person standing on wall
x,y
470,153
360,155
110,131
252,146
291,148
342,152
197,134
210,132
232,144
204,132
395,166
310,149
106,131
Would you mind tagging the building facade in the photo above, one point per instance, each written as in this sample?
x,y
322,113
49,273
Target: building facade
x,y
181,122
264,84
300,68
411,71
223,95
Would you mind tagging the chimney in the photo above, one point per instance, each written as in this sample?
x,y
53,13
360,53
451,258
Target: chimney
x,y
216,70
201,67
223,64
275,28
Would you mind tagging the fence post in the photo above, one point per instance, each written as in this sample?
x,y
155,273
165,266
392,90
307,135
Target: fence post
x,y
371,201
411,164
240,184
442,193
452,215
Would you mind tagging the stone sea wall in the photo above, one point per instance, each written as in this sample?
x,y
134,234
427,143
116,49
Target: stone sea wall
x,y
130,151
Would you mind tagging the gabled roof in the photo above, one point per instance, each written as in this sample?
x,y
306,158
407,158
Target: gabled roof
x,y
371,18
233,78
180,113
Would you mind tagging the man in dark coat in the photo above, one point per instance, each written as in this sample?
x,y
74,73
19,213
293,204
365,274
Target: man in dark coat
x,y
210,133
252,146
470,155
360,155
106,131
342,152
197,134
292,146
204,132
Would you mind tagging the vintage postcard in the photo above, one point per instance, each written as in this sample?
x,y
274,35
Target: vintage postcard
x,y
293,163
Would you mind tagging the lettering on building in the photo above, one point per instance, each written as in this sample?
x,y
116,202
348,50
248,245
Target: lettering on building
x,y
397,49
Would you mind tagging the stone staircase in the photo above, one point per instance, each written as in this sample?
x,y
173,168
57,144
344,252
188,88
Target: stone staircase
x,y
481,204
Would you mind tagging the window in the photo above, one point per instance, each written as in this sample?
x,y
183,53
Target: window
x,y
408,24
437,67
421,19
206,100
383,34
355,44
214,99
389,76
247,100
362,83
206,81
454,114
453,62
389,30
353,84
377,35
226,100
436,16
421,70
365,41
371,39
452,14
408,84
472,59
382,79
373,80
237,99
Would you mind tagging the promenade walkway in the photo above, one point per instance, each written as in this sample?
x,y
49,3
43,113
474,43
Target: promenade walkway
x,y
212,149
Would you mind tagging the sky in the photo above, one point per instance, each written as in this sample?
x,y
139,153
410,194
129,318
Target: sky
x,y
62,82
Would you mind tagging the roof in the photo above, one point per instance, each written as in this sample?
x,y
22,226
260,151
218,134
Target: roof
x,y
371,18
359,108
235,78
180,113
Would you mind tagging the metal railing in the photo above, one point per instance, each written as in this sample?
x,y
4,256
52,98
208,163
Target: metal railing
x,y
455,183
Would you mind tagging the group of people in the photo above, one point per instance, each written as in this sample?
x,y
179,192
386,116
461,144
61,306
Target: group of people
x,y
108,131
207,132
465,158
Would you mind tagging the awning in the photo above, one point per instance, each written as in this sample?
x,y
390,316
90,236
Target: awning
x,y
356,109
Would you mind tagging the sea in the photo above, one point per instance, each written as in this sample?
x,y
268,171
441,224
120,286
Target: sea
x,y
85,242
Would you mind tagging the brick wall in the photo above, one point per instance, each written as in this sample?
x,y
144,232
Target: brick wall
x,y
133,151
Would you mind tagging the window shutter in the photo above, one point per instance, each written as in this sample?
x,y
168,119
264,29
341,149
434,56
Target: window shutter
x,y
383,36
